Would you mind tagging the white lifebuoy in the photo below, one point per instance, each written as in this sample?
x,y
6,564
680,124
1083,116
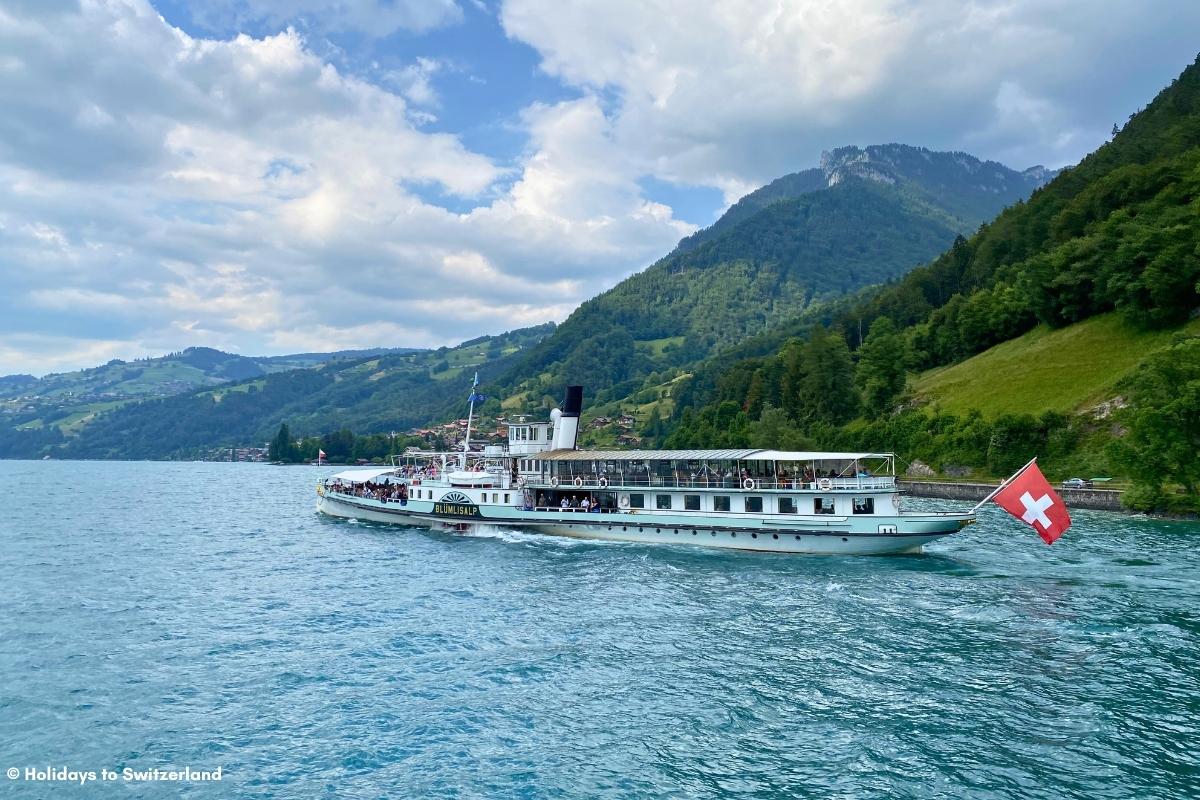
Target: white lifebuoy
x,y
554,481
624,501
824,484
748,483
602,483
578,483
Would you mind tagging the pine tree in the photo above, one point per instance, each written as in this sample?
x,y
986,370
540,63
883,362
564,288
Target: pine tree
x,y
281,447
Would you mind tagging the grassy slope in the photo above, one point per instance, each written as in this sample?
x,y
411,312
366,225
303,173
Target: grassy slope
x,y
1067,369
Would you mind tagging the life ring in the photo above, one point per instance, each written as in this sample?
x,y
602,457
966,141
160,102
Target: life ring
x,y
578,483
624,503
824,484
602,483
748,483
554,481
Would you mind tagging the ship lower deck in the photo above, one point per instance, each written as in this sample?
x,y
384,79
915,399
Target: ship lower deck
x,y
898,533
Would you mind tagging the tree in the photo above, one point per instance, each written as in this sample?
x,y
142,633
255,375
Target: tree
x,y
881,369
826,389
1163,417
282,448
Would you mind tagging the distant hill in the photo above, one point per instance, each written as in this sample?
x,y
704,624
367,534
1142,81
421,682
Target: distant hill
x,y
393,390
68,401
865,216
974,190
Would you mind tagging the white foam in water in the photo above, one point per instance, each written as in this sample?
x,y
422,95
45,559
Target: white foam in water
x,y
516,536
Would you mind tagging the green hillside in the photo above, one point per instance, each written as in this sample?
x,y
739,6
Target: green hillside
x,y
1070,369
1078,295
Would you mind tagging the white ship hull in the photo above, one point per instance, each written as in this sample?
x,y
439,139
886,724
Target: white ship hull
x,y
908,533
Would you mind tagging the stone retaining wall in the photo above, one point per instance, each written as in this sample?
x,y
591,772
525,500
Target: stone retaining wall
x,y
1099,499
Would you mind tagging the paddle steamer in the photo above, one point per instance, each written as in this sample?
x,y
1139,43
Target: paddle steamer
x,y
747,499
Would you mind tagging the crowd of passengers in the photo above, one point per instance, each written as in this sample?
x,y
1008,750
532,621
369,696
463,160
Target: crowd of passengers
x,y
806,478
572,503
386,492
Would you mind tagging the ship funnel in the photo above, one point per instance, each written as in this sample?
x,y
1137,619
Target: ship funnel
x,y
566,427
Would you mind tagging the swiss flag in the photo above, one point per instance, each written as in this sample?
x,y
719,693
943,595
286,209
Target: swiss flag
x,y
1029,498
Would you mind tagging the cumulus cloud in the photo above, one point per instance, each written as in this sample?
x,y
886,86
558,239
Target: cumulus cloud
x,y
734,94
161,190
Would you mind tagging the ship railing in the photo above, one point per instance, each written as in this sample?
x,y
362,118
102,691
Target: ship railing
x,y
615,482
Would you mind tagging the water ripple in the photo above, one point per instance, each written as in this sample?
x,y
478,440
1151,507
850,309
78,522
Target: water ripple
x,y
202,615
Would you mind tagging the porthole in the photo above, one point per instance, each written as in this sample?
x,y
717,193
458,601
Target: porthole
x,y
677,531
844,539
754,536
624,528
774,535
693,533
714,533
797,538
732,535
639,528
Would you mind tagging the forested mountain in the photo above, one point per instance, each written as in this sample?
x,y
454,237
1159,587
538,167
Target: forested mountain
x,y
392,391
1117,236
67,401
865,216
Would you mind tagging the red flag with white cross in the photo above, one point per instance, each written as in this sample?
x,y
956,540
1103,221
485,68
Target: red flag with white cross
x,y
1029,497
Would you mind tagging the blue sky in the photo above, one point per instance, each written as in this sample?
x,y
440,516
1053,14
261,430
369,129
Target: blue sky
x,y
269,176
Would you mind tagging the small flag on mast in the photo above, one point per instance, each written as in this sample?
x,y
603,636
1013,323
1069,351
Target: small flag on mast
x,y
475,397
1029,497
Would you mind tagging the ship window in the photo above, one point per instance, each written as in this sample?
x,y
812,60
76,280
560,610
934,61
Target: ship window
x,y
506,496
637,501
662,501
787,505
720,502
754,505
864,505
822,505
691,502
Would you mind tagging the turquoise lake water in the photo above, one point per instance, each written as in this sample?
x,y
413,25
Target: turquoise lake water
x,y
202,615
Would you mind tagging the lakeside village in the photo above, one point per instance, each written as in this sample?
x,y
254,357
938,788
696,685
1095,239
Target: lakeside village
x,y
343,447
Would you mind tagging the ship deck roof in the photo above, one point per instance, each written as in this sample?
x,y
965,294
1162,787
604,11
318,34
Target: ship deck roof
x,y
700,455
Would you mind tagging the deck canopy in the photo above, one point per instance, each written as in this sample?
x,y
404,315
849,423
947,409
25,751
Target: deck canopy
x,y
703,455
361,475
717,469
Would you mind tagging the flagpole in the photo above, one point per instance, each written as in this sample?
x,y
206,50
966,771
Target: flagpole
x,y
1003,483
470,416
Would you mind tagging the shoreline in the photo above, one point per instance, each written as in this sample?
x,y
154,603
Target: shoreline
x,y
1094,499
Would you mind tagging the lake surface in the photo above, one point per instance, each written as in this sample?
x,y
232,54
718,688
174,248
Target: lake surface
x,y
200,616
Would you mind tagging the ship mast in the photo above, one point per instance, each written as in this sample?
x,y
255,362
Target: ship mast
x,y
470,416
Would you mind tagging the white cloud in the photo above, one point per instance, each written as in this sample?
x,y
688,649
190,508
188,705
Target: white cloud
x,y
734,94
159,190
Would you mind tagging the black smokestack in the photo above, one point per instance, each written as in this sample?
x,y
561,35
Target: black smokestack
x,y
573,402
